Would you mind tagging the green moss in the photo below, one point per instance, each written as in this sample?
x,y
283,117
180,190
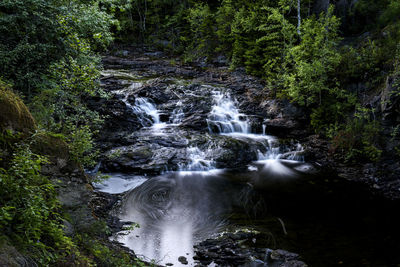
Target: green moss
x,y
14,114
50,145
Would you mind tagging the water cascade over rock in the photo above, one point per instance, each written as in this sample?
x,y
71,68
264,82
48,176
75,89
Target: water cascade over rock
x,y
225,116
197,175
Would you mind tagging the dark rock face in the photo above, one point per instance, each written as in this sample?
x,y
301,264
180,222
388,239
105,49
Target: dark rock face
x,y
143,158
390,102
237,249
155,154
120,120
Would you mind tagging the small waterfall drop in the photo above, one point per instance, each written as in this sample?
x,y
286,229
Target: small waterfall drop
x,y
143,107
177,114
225,116
148,114
198,160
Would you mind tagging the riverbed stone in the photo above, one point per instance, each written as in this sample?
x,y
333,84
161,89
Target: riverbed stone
x,y
183,260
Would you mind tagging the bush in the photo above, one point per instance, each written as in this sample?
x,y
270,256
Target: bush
x,y
29,209
358,139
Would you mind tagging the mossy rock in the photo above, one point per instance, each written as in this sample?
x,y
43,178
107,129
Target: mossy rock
x,y
14,115
54,147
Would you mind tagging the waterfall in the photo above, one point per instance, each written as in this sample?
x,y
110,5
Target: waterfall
x,y
198,160
144,107
177,114
147,113
225,116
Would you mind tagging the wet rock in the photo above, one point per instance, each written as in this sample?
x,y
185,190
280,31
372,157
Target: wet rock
x,y
293,263
234,249
281,254
119,120
280,126
233,153
143,158
196,122
390,101
183,260
10,256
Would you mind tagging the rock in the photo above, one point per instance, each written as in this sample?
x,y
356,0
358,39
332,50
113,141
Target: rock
x,y
11,257
183,260
57,151
143,158
233,249
293,263
281,254
390,101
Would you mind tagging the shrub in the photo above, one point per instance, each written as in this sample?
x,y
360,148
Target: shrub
x,y
29,209
358,139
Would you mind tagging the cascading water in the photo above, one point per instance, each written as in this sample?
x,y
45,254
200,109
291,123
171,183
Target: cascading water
x,y
177,209
198,160
177,114
144,109
147,113
226,119
225,116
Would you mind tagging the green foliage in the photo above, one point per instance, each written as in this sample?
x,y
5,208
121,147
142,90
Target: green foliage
x,y
390,14
37,33
31,41
92,244
201,21
313,62
48,54
331,112
86,22
358,139
81,145
28,213
61,108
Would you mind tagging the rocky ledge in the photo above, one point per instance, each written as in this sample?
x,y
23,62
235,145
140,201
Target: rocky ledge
x,y
232,249
162,81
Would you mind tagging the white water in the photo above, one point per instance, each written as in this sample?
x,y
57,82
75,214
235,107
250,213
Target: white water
x,y
227,120
174,231
198,160
177,114
144,109
173,239
147,113
119,183
225,116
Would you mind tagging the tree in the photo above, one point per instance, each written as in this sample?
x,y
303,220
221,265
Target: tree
x,y
312,63
31,40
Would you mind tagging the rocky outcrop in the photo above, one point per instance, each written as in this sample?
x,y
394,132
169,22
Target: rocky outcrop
x,y
390,101
11,257
240,249
154,154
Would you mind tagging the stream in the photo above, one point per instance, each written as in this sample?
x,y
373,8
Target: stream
x,y
196,167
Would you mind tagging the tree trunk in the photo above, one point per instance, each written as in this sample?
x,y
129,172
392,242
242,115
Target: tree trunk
x,y
298,17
